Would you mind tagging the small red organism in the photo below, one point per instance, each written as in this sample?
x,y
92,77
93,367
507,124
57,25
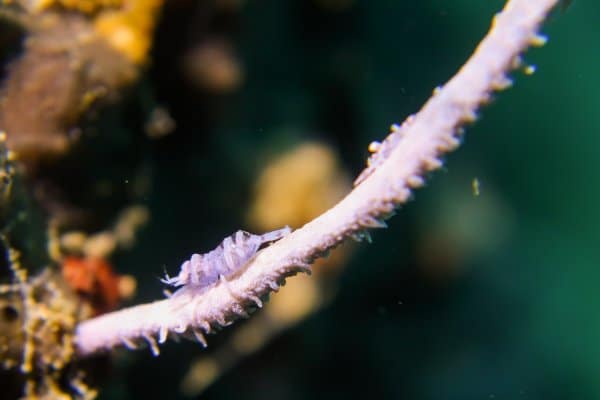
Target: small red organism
x,y
94,280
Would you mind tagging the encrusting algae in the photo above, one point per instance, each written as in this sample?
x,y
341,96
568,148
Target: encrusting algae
x,y
318,183
36,343
38,310
77,56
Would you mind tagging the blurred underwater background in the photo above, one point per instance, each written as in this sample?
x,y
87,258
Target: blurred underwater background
x,y
171,125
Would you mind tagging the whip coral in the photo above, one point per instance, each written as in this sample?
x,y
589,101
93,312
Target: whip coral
x,y
399,165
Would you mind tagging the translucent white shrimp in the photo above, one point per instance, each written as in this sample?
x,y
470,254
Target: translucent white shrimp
x,y
234,252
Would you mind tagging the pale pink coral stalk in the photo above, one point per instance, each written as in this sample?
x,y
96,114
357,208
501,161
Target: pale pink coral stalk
x,y
399,166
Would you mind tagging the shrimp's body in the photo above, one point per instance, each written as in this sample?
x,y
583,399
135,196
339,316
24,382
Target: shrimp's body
x,y
234,252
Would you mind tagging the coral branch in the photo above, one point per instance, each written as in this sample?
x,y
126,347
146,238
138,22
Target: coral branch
x,y
398,166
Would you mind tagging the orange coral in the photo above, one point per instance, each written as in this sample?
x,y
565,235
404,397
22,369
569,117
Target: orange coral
x,y
129,29
127,25
84,6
